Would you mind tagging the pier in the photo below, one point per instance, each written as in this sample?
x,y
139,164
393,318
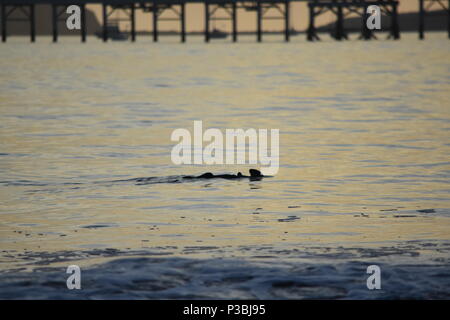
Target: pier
x,y
264,9
341,9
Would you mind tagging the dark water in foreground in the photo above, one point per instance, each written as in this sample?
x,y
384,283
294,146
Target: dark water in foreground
x,y
265,273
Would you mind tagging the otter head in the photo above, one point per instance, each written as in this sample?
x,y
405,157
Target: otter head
x,y
255,173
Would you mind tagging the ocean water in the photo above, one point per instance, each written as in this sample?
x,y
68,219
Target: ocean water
x,y
363,179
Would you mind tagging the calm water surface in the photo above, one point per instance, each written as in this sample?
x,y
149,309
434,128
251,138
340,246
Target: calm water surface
x,y
364,166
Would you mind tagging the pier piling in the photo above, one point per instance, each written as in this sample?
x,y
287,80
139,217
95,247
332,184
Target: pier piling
x,y
32,23
105,22
55,23
234,21
365,32
339,24
3,13
155,22
311,32
286,21
83,23
207,14
183,21
421,20
133,22
259,22
395,30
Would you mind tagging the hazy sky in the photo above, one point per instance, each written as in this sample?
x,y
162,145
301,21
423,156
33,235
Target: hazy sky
x,y
246,20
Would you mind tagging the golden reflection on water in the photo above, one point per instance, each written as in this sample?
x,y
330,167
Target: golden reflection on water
x,y
364,127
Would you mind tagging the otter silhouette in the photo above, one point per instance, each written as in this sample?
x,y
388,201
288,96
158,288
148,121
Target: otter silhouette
x,y
254,175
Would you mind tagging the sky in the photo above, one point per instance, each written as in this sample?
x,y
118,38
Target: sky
x,y
246,20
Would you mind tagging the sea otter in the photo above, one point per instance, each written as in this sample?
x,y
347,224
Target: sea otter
x,y
254,175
